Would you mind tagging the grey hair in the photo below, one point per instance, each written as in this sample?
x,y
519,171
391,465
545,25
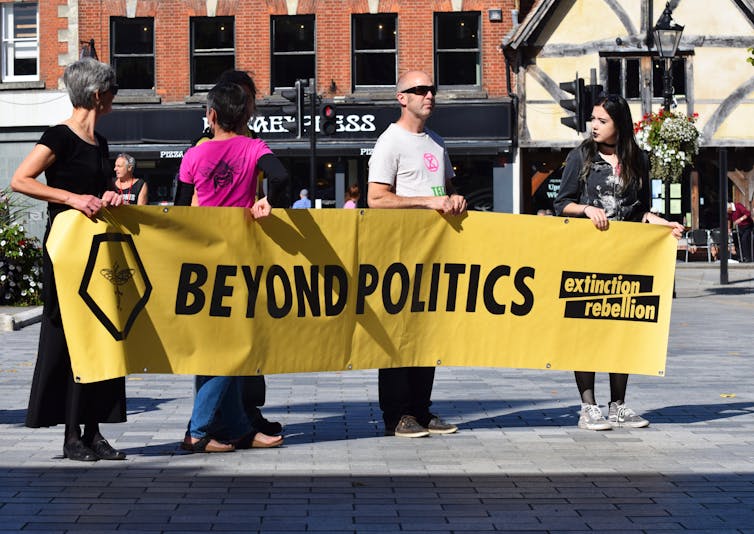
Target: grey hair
x,y
83,78
130,160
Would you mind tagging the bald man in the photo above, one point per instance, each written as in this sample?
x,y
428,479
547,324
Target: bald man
x,y
410,168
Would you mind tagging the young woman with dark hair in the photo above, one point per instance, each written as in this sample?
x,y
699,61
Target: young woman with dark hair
x,y
606,178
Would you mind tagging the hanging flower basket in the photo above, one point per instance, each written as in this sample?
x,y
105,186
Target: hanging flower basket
x,y
672,141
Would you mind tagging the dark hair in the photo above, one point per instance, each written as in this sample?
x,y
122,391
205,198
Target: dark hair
x,y
353,192
229,101
632,163
241,78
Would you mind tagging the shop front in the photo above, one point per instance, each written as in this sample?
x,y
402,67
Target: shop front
x,y
478,136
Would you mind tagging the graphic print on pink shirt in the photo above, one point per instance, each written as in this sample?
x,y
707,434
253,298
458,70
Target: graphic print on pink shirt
x,y
221,175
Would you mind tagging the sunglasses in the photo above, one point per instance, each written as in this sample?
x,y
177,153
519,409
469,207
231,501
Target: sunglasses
x,y
113,89
421,90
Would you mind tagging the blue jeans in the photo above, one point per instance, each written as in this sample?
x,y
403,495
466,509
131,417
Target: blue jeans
x,y
218,409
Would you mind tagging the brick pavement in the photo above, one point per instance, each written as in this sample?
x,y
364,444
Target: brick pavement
x,y
518,464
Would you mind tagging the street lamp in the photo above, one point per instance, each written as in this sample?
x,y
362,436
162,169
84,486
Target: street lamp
x,y
667,36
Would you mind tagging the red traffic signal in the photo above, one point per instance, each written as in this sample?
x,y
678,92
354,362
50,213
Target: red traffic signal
x,y
328,119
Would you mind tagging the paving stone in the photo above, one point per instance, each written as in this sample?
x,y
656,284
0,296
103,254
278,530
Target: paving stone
x,y
519,464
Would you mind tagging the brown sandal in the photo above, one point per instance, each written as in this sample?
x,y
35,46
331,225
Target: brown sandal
x,y
206,444
249,442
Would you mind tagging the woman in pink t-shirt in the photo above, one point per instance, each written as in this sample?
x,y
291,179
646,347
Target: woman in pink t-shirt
x,y
222,171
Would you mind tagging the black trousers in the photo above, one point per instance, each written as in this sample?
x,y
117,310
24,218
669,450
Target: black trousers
x,y
253,393
405,391
744,236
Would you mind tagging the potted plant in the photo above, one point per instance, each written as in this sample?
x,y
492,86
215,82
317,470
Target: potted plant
x,y
20,257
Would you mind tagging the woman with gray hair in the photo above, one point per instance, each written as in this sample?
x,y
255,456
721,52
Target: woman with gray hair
x,y
74,159
131,189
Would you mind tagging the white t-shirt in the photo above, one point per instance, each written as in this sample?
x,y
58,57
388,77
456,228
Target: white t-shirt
x,y
415,165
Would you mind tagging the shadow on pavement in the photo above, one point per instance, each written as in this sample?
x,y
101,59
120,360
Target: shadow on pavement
x,y
134,405
729,290
110,498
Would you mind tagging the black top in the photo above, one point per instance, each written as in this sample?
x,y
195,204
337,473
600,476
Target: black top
x,y
79,167
602,189
131,194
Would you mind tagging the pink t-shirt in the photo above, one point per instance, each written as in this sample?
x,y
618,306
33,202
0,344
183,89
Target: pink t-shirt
x,y
224,172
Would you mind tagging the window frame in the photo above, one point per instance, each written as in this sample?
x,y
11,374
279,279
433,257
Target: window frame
x,y
678,59
295,53
648,63
115,56
9,43
208,52
438,51
356,52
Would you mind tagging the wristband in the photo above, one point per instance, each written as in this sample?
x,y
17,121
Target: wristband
x,y
583,212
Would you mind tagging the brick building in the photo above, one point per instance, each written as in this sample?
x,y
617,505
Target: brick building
x,y
168,53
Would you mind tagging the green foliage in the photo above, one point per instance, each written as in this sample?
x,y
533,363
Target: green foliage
x,y
20,256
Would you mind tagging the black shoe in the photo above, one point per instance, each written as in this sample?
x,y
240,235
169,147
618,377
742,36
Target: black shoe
x,y
76,450
105,451
271,428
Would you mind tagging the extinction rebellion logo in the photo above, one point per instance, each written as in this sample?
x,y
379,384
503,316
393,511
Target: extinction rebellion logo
x,y
621,297
115,285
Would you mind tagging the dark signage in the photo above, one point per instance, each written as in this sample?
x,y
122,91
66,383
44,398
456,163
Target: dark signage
x,y
355,122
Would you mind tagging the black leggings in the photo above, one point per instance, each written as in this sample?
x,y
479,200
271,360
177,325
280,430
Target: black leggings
x,y
585,383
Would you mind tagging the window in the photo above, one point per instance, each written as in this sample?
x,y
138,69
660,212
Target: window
x,y
624,76
213,50
678,70
457,48
20,54
133,52
374,51
293,49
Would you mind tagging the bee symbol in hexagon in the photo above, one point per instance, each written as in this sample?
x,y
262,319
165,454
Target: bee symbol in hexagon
x,y
118,277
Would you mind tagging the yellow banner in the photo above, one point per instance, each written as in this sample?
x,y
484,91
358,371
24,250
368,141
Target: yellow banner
x,y
211,291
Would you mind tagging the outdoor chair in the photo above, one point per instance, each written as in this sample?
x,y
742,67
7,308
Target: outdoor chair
x,y
697,240
715,243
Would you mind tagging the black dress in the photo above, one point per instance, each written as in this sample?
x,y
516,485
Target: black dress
x,y
55,398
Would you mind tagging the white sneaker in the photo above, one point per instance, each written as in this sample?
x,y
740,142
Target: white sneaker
x,y
620,415
592,419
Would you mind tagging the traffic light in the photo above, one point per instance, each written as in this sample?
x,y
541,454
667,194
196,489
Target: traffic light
x,y
328,119
577,121
296,109
592,94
